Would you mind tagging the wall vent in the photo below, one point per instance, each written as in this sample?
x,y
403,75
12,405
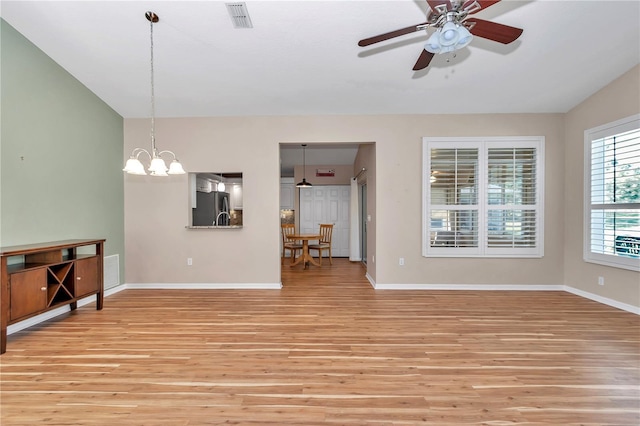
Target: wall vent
x,y
111,271
239,15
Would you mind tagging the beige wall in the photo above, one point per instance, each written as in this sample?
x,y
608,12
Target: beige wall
x,y
618,100
157,244
399,201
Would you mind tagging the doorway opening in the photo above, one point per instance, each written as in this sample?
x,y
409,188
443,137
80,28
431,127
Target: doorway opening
x,y
329,167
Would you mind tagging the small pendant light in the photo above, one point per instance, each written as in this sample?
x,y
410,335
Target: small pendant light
x,y
304,183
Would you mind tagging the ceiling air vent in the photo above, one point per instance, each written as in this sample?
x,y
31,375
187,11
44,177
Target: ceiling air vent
x,y
239,15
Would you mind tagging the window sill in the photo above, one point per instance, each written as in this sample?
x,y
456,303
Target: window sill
x,y
628,263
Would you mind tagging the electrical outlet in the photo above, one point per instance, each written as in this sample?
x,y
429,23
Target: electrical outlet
x,y
401,261
189,261
600,280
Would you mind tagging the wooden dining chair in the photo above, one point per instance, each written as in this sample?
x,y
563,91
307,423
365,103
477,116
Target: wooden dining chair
x,y
292,245
326,231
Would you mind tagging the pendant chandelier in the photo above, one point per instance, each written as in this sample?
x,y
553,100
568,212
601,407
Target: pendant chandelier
x,y
157,165
304,183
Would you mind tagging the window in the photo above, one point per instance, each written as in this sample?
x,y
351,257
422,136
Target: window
x,y
612,194
483,197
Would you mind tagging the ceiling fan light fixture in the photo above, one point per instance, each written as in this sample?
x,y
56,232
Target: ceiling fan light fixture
x,y
433,45
449,38
465,37
451,21
448,34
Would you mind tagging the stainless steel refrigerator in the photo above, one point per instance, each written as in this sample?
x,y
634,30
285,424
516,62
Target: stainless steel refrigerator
x,y
212,209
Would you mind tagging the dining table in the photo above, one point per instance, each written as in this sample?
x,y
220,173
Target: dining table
x,y
305,256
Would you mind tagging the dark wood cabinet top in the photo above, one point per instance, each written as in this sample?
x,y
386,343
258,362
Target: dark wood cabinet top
x,y
51,245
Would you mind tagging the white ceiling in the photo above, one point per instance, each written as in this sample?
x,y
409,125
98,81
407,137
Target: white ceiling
x,y
302,57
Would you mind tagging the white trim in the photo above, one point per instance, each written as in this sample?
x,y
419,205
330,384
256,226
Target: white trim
x,y
205,286
603,300
479,287
482,206
514,287
371,280
605,130
113,290
354,222
45,316
14,328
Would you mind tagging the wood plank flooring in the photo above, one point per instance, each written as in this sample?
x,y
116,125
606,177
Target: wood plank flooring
x,y
327,349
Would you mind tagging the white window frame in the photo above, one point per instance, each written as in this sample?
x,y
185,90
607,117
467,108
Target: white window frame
x,y
603,131
483,144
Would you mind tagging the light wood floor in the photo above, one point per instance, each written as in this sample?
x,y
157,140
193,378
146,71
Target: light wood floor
x,y
327,349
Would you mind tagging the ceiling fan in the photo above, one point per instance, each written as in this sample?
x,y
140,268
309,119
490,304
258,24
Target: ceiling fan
x,y
454,28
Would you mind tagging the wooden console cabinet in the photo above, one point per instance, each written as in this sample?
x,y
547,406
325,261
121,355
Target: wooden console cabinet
x,y
36,278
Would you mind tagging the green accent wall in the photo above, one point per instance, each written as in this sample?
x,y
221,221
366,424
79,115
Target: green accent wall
x,y
61,151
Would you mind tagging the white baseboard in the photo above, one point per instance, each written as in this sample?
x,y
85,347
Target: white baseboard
x,y
603,300
512,287
112,290
483,287
205,286
13,328
371,280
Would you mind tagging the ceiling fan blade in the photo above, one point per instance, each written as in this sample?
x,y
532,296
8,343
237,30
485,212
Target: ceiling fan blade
x,y
475,6
389,35
423,60
492,30
434,4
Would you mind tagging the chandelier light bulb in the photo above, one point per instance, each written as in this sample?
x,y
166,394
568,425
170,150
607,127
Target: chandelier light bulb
x,y
175,168
449,34
134,167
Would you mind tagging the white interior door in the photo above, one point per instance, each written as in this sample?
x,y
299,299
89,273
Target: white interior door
x,y
327,204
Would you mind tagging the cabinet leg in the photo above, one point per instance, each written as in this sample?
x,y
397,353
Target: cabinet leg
x,y
3,339
99,299
73,305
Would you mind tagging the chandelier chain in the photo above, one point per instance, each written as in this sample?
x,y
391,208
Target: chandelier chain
x,y
153,98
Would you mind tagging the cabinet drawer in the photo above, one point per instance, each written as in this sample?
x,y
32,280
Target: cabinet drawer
x,y
86,276
28,291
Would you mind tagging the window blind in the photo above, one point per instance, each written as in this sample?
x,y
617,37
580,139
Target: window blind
x,y
511,197
614,194
482,197
454,201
